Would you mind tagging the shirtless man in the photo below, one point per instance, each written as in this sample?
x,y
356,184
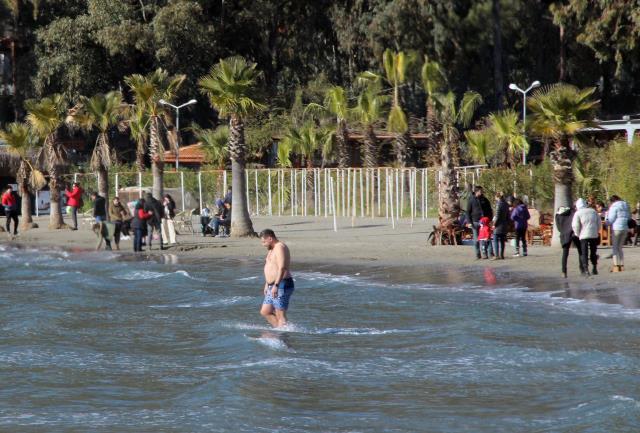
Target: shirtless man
x,y
278,285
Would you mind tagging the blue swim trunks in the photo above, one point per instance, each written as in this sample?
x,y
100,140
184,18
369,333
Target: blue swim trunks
x,y
285,289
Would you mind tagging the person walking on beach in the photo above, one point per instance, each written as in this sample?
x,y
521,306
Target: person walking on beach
x,y
586,225
564,218
618,219
500,226
74,202
10,205
138,224
520,217
168,225
278,285
153,206
99,207
118,214
478,206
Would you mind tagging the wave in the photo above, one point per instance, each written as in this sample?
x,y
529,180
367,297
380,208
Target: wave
x,y
292,328
152,275
207,304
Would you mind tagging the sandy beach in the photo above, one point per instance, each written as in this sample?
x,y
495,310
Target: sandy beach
x,y
373,243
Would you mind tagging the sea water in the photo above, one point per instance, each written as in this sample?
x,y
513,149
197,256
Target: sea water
x,y
103,342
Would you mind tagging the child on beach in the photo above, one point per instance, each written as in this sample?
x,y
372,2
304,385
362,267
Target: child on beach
x,y
484,236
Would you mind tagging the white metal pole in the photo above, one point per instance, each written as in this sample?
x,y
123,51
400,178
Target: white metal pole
x,y
423,192
348,191
379,192
390,188
139,185
343,196
292,193
411,194
402,183
386,190
333,202
246,184
367,179
353,200
397,194
361,196
257,195
269,184
37,203
200,190
325,193
224,183
116,185
182,187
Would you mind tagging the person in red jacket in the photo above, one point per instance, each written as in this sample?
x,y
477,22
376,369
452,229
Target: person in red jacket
x,y
484,235
139,222
10,205
74,201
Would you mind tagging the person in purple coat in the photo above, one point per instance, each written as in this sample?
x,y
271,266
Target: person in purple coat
x,y
520,217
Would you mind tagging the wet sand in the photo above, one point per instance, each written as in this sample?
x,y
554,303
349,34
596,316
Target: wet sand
x,y
399,255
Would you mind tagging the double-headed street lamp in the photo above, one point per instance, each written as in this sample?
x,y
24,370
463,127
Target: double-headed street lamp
x,y
524,111
177,108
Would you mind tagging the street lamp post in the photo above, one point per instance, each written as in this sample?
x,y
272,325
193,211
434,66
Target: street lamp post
x,y
533,85
177,108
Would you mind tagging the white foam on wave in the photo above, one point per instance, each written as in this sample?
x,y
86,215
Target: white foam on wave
x,y
152,275
246,279
292,328
207,304
272,342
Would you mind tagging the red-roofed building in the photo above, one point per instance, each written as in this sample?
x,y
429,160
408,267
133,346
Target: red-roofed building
x,y
191,156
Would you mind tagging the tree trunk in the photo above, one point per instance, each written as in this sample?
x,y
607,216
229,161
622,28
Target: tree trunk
x,y
103,188
402,145
241,225
156,149
449,206
26,222
562,161
370,148
497,54
342,138
157,170
55,211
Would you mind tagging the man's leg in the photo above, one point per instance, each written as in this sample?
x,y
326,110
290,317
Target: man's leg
x,y
281,315
565,257
74,217
584,256
476,242
268,312
593,248
14,215
7,222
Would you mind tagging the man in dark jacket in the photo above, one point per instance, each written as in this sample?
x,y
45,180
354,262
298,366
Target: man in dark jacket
x,y
155,222
478,207
564,217
99,207
501,226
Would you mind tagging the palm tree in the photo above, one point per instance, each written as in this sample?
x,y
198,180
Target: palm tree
x,y
148,90
306,141
507,132
559,112
214,144
231,88
138,122
336,104
369,110
434,82
396,66
479,142
45,117
22,144
450,116
101,112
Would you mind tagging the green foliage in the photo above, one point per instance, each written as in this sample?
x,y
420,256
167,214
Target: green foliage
x,y
560,111
619,174
214,143
231,87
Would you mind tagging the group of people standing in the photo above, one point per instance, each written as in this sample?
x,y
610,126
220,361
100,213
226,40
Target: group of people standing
x,y
580,226
147,217
490,230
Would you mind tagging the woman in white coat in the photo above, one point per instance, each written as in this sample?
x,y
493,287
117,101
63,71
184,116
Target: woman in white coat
x,y
586,225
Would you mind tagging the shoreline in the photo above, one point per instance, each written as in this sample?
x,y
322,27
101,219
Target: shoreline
x,y
398,256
